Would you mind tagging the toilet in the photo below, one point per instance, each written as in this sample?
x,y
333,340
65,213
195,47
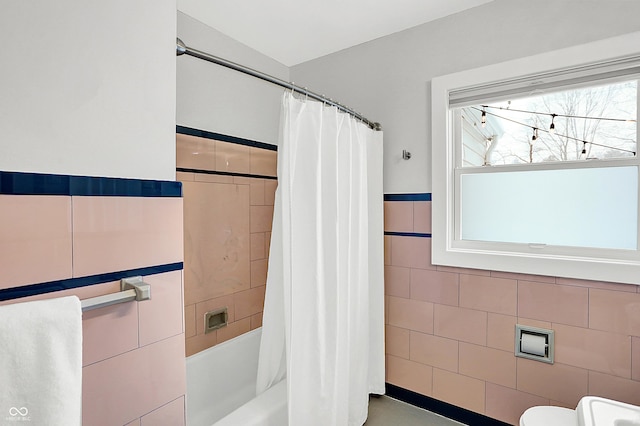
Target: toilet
x,y
549,416
591,411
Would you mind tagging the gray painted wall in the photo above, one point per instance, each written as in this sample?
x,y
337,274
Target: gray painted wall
x,y
88,88
388,79
211,97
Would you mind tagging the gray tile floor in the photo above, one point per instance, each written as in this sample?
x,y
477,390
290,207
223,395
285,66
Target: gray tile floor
x,y
385,411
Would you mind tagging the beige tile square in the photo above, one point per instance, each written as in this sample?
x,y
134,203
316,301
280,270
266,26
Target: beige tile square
x,y
398,216
410,314
193,152
217,240
555,303
397,341
270,186
256,320
409,375
490,294
231,157
133,384
559,382
434,286
422,217
120,233
161,317
501,331
200,342
397,281
171,414
259,272
109,331
249,302
258,246
212,178
190,321
608,353
411,252
263,162
257,192
614,311
261,218
491,365
508,405
434,351
456,389
185,176
234,329
460,324
36,239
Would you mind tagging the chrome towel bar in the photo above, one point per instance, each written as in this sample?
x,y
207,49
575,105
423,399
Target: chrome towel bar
x,y
132,288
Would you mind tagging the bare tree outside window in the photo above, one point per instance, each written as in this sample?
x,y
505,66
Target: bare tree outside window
x,y
588,123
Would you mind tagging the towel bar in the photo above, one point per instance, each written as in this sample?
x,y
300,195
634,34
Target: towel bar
x,y
132,288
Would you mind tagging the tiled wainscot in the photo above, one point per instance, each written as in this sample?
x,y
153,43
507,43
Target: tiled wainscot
x,y
229,191
450,331
59,239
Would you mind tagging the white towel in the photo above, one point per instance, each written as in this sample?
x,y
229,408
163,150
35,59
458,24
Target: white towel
x,y
41,362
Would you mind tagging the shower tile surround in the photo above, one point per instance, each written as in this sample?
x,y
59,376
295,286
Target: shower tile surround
x,y
133,353
228,210
450,331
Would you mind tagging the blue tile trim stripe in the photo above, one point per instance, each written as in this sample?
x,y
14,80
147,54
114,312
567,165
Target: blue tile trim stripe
x,y
19,183
69,283
408,234
214,172
408,197
440,407
224,138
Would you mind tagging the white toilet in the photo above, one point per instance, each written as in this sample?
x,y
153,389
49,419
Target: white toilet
x,y
591,411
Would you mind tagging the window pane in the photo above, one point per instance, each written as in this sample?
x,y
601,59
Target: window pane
x,y
588,123
591,207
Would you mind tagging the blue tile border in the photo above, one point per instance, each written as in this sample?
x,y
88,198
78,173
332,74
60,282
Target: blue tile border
x,y
69,283
183,130
214,172
426,196
20,183
445,409
408,234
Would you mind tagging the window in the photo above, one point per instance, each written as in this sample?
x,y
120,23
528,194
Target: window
x,y
537,172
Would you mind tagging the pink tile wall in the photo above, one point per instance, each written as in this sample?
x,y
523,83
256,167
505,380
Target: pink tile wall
x,y
450,331
133,353
122,233
34,229
227,227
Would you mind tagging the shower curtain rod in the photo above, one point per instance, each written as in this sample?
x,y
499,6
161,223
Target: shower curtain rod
x,y
182,49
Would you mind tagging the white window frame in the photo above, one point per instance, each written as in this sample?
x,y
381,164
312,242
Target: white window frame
x,y
447,248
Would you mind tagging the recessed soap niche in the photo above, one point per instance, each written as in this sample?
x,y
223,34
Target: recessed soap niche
x,y
215,319
534,343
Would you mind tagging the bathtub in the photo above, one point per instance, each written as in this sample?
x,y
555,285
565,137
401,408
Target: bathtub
x,y
221,387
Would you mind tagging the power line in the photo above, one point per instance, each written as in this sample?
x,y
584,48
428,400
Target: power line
x,y
553,115
537,129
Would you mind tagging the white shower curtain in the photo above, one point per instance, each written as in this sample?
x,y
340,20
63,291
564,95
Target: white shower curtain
x,y
323,322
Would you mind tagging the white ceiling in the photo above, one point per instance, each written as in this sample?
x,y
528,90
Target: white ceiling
x,y
295,31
